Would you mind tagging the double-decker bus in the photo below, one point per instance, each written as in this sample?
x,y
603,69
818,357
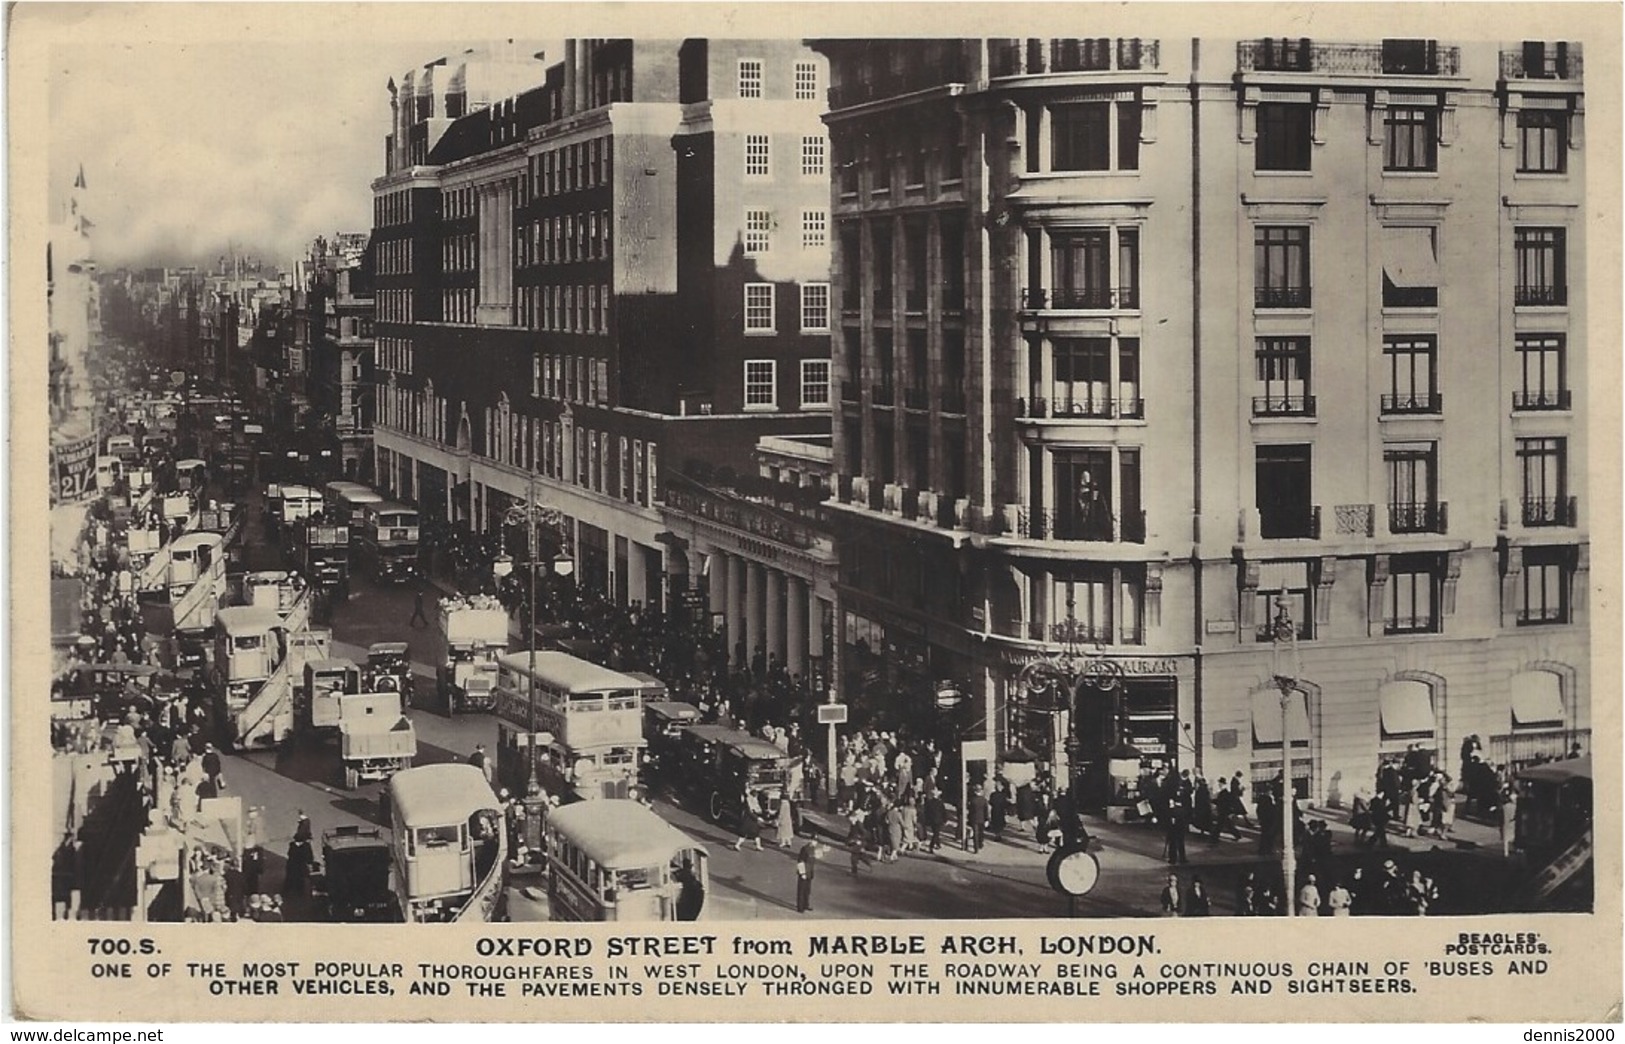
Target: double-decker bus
x,y
389,541
587,719
348,502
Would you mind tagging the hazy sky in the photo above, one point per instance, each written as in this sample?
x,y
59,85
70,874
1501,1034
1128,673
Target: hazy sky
x,y
264,145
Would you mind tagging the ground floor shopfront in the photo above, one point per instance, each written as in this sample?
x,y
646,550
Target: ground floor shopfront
x,y
614,546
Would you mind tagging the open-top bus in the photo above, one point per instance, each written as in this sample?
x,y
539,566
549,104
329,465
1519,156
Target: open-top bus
x,y
616,860
588,718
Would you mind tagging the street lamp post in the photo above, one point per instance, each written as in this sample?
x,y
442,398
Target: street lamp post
x,y
1284,634
530,513
1067,670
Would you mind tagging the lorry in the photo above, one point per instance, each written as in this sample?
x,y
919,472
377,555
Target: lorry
x,y
476,630
321,695
388,669
376,739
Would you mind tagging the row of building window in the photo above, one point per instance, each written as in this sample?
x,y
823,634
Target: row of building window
x,y
394,353
1410,142
457,305
395,257
565,309
761,223
1284,388
803,83
422,414
392,208
570,168
564,238
908,158
459,253
759,156
570,378
394,306
761,390
1282,274
761,310
458,203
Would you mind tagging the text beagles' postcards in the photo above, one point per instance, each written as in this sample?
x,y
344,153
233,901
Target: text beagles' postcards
x,y
704,513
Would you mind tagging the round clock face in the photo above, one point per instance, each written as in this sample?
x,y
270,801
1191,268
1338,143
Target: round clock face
x,y
1074,870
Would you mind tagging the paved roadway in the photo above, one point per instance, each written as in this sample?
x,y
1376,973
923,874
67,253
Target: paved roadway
x,y
1006,880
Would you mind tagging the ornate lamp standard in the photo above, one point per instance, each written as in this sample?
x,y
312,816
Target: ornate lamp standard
x,y
1066,671
532,514
1284,636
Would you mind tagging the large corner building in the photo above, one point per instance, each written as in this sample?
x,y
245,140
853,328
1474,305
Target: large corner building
x,y
1137,340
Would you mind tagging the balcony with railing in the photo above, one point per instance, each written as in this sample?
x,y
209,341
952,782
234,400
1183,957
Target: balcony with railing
x,y
884,394
1550,511
1542,399
1542,295
1537,60
916,398
1281,297
1030,523
1034,57
1419,518
851,392
953,399
1413,402
1063,406
1082,298
1388,58
1283,406
914,300
1301,522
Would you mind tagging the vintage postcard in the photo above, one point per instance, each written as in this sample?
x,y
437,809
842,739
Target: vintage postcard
x,y
535,512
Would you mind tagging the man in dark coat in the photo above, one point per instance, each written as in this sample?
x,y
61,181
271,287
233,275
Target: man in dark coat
x,y
976,818
806,867
934,815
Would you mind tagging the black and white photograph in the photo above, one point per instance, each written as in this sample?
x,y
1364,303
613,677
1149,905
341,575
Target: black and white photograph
x,y
819,480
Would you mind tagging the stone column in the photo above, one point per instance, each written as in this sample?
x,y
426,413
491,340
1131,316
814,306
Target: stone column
x,y
736,605
716,581
795,604
755,610
637,581
775,614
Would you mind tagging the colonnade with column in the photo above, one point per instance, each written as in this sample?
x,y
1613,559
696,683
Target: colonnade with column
x,y
771,609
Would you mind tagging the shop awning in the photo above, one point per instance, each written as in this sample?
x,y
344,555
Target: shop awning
x,y
1407,257
1267,718
1537,699
1407,709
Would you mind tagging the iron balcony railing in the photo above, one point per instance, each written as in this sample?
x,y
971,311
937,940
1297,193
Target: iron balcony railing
x,y
1283,406
1048,524
1542,399
1082,298
916,398
1281,296
1410,296
1537,60
953,400
850,392
1099,54
1061,407
1540,295
884,395
1388,58
1419,518
1412,402
1550,511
